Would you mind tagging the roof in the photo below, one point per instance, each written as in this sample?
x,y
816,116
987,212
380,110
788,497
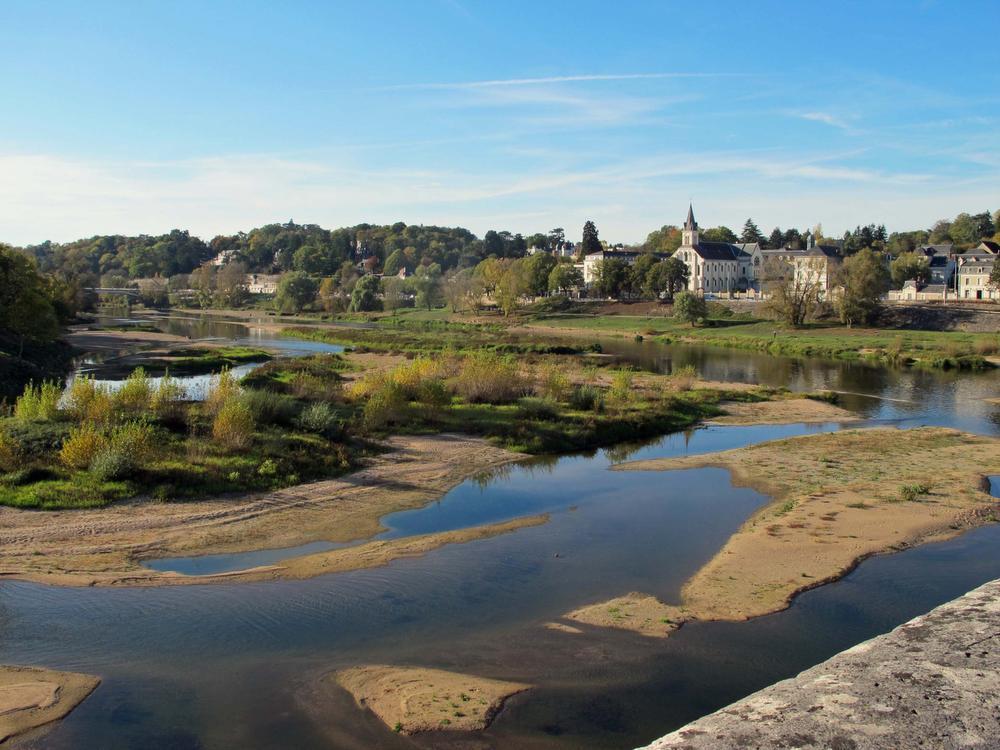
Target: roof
x,y
944,248
824,251
939,260
748,247
990,246
719,251
690,223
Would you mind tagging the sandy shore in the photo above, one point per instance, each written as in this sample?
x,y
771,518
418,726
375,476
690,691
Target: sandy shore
x,y
837,499
414,699
30,697
106,546
782,411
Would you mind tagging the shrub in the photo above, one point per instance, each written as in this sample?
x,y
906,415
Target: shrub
x,y
985,347
543,409
271,408
11,454
910,492
134,440
486,377
166,398
80,396
434,394
221,391
683,378
38,403
553,383
134,394
233,425
384,406
410,377
82,444
621,390
111,463
320,418
584,397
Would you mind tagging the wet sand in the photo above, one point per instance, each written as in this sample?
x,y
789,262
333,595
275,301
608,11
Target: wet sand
x,y
414,699
106,546
783,411
31,698
838,498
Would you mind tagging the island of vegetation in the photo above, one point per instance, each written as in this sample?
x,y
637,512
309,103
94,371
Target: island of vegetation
x,y
416,699
31,698
837,498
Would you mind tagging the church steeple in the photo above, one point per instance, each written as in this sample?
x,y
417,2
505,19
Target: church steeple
x,y
689,237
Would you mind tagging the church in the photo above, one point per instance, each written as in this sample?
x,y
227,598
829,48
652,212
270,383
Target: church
x,y
718,267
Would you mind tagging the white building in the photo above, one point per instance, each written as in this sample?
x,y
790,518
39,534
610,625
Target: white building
x,y
718,267
973,276
263,283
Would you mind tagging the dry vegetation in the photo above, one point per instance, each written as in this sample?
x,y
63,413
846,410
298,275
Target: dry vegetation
x,y
414,699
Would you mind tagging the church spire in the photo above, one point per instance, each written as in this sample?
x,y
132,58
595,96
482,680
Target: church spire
x,y
690,224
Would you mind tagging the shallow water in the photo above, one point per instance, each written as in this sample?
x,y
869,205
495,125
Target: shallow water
x,y
232,666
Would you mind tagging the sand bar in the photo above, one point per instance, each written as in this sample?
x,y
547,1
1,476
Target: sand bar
x,y
413,699
106,546
31,697
782,411
837,498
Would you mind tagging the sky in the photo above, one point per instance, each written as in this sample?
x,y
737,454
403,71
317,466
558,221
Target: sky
x,y
136,117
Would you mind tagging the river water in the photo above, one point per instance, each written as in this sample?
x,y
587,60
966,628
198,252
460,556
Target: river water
x,y
238,666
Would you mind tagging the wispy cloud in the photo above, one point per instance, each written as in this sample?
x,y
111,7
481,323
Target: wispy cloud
x,y
826,118
584,78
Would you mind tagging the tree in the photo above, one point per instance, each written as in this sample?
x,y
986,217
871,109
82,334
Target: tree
x,y
492,244
394,263
364,297
538,240
719,234
968,229
666,239
590,243
463,290
564,277
26,309
777,239
995,275
295,290
751,233
792,239
427,285
536,273
611,277
510,286
231,285
329,296
556,237
793,294
667,277
490,271
910,266
637,274
865,279
690,307
203,282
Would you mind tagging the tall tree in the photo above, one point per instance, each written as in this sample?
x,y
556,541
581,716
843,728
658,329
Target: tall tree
x,y
751,233
667,277
296,290
590,242
777,239
666,239
865,279
719,234
910,266
793,295
612,277
690,307
564,277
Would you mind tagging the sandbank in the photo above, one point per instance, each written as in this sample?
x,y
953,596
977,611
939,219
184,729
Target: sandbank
x,y
32,697
414,699
837,498
782,411
106,546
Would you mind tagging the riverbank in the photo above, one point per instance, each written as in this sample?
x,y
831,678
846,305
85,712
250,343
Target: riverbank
x,y
107,546
837,498
31,697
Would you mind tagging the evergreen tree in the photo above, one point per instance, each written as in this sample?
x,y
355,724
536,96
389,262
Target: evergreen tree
x,y
751,233
777,239
590,243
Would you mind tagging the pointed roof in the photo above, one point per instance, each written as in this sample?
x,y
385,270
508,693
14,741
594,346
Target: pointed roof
x,y
690,223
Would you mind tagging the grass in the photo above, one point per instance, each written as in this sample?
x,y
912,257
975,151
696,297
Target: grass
x,y
937,349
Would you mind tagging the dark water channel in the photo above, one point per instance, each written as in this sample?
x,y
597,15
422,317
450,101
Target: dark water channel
x,y
236,666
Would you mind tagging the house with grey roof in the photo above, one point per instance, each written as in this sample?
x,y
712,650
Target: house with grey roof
x,y
718,267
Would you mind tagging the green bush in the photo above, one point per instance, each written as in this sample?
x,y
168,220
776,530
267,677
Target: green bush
x,y
384,406
584,397
135,393
166,399
111,463
486,377
683,378
542,409
38,403
37,439
11,453
233,425
82,445
321,419
621,391
911,492
271,408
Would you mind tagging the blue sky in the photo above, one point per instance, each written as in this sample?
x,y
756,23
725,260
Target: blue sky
x,y
128,117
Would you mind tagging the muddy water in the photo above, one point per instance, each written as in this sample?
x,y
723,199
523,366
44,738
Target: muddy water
x,y
236,666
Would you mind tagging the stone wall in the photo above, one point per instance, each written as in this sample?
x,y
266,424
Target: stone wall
x,y
933,682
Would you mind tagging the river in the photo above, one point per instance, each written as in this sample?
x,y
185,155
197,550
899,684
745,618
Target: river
x,y
236,666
